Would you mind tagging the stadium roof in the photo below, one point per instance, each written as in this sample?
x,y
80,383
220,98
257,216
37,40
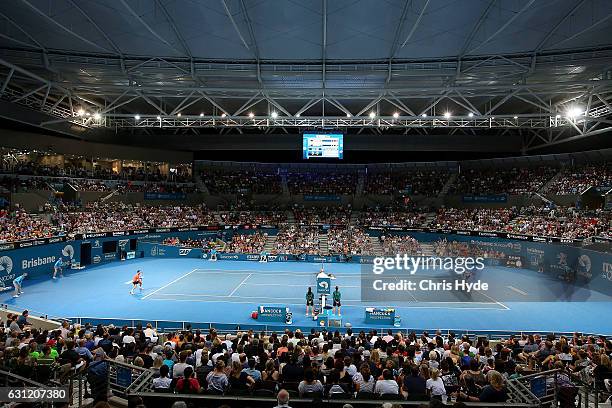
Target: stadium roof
x,y
540,67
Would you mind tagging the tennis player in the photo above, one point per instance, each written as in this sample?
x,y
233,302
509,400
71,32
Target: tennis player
x,y
58,267
213,255
136,281
309,301
17,282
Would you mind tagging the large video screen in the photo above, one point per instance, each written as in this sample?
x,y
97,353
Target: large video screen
x,y
323,146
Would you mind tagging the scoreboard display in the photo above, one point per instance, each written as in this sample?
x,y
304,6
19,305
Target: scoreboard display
x,y
322,146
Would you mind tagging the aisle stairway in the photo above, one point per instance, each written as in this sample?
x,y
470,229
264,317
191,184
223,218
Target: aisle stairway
x,y
290,217
354,219
360,184
550,182
449,183
200,185
323,244
377,248
429,219
270,244
427,249
284,185
109,196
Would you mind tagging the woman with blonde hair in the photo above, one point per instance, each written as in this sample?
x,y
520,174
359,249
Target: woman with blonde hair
x,y
139,362
434,385
494,392
157,363
454,354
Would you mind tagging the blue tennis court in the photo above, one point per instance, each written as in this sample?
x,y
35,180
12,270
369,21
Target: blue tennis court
x,y
226,292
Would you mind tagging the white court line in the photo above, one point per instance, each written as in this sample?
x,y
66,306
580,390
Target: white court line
x,y
168,284
517,290
282,284
495,301
268,273
344,305
274,272
239,285
293,298
242,297
412,296
314,272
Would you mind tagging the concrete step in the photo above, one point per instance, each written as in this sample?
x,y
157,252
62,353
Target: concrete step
x,y
360,184
448,185
427,249
354,219
550,182
290,217
270,244
323,244
377,248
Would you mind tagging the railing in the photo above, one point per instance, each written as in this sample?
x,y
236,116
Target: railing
x,y
166,400
173,325
144,390
588,392
124,377
540,387
59,379
119,381
8,379
122,380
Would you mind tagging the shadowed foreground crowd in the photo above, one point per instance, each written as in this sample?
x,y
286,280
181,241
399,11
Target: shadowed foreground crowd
x,y
311,365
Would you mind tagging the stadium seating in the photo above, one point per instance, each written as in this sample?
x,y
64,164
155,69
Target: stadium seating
x,y
328,364
562,222
297,219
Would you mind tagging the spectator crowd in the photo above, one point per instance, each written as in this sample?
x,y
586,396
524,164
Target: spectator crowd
x,y
363,365
302,236
418,182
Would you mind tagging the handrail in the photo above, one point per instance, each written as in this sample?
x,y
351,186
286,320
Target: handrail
x,y
326,401
30,382
276,328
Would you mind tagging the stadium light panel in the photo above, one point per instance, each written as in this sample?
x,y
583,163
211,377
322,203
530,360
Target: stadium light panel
x,y
97,116
274,115
137,117
424,115
372,115
81,112
447,115
574,111
396,115
178,114
297,115
471,115
251,115
223,115
159,118
201,114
